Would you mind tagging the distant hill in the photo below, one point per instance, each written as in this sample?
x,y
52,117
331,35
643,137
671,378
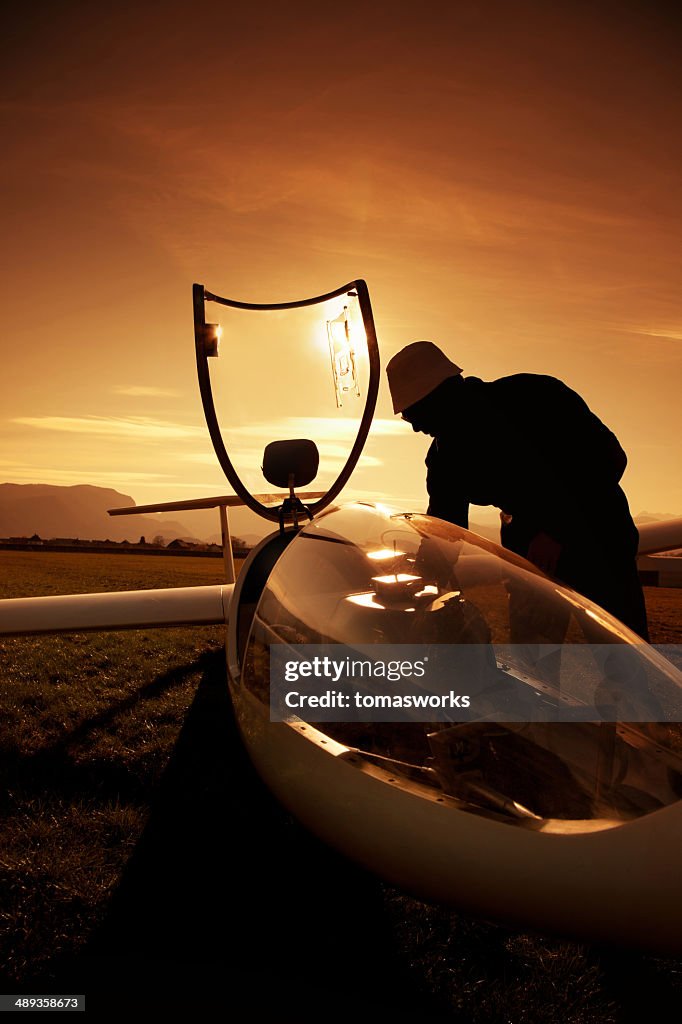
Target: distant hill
x,y
77,512
654,517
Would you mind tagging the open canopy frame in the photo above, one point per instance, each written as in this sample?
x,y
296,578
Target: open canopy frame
x,y
200,297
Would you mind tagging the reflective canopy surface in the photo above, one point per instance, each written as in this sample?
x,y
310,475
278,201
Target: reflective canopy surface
x,y
363,575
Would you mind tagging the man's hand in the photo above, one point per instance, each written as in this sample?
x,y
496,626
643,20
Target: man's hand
x,y
544,552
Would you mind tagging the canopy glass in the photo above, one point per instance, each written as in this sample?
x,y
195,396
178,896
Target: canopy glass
x,y
364,575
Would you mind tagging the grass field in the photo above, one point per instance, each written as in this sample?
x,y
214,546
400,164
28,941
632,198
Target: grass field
x,y
102,794
87,724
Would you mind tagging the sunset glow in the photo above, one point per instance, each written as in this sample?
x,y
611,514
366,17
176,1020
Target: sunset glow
x,y
511,195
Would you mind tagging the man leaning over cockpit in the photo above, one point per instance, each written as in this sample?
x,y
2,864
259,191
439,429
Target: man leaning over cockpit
x,y
530,446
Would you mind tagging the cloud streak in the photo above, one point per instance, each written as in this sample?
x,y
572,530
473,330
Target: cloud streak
x,y
670,333
318,428
142,391
140,428
69,477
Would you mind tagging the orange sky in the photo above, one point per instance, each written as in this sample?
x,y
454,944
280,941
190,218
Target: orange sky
x,y
505,177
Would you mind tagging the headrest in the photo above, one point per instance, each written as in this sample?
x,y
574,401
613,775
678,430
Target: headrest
x,y
283,459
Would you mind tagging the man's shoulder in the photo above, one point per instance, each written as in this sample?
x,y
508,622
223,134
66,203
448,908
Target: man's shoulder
x,y
531,387
530,381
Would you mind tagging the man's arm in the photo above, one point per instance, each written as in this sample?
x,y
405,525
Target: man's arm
x,y
446,500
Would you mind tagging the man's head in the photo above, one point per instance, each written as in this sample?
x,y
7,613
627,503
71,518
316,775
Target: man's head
x,y
421,380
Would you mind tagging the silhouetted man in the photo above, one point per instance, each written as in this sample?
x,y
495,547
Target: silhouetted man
x,y
530,446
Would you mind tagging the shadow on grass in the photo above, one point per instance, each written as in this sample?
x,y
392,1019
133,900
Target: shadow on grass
x,y
52,770
226,903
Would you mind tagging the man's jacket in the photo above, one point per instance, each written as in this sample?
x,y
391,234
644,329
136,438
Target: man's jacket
x,y
530,446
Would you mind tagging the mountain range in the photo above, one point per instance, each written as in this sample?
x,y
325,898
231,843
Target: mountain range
x,y
81,512
78,512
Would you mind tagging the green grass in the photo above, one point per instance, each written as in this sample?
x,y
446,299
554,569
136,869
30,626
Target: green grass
x,y
36,573
87,724
479,971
